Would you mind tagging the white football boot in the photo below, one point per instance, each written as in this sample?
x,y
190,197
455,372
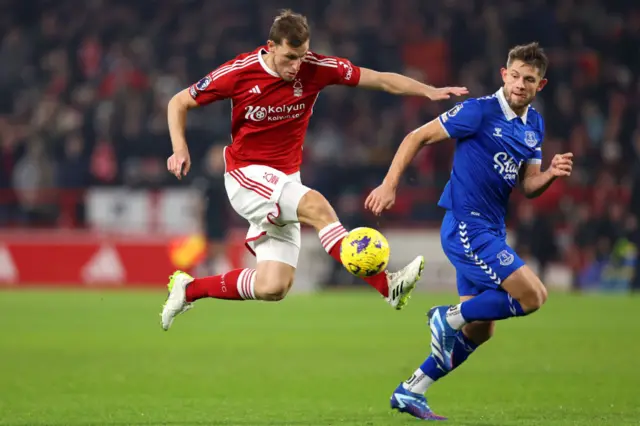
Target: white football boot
x,y
402,283
176,303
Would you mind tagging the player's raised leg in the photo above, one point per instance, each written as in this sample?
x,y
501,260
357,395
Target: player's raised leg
x,y
237,284
276,256
395,287
269,281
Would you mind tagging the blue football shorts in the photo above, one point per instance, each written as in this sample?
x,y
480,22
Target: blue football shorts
x,y
481,256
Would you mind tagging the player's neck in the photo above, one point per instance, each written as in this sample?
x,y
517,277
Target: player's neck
x,y
269,61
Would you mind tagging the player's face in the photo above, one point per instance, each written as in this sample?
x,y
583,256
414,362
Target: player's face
x,y
287,59
521,83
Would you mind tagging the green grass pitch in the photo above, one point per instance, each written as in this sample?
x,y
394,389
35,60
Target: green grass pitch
x,y
101,358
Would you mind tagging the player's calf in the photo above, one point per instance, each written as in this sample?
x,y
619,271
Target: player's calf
x,y
237,284
479,332
270,281
436,366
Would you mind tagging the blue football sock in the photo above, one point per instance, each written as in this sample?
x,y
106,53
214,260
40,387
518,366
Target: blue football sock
x,y
489,305
429,371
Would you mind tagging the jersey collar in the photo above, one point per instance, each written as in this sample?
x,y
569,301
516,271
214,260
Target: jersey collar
x,y
506,109
264,64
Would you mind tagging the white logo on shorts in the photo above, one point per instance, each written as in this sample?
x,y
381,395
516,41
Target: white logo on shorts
x,y
505,258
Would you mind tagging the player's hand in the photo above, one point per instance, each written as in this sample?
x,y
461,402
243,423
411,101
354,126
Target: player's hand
x,y
381,198
561,165
439,94
179,163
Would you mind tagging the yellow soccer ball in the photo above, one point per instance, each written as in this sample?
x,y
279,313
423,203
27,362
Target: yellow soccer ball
x,y
364,252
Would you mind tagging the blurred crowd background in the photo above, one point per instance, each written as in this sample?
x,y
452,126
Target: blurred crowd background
x,y
84,88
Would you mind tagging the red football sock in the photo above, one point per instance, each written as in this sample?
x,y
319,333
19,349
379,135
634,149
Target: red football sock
x,y
234,285
331,236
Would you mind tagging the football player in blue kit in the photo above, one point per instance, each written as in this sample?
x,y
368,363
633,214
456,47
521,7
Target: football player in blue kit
x,y
499,144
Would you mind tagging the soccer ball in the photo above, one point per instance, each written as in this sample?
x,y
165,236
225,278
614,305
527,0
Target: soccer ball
x,y
364,252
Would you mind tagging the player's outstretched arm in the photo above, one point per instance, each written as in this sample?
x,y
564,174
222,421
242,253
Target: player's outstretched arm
x,y
399,84
384,196
534,181
180,162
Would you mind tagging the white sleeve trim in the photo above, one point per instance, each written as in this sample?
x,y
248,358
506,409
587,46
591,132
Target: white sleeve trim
x,y
534,161
538,149
443,128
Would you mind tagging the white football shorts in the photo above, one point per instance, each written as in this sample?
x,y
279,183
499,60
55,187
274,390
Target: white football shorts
x,y
268,199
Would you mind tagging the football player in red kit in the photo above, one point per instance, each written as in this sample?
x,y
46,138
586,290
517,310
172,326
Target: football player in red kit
x,y
273,90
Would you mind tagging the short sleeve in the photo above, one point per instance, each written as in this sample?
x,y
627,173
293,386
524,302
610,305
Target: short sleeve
x,y
332,70
463,119
215,86
536,157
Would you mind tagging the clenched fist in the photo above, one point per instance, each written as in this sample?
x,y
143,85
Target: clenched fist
x,y
561,165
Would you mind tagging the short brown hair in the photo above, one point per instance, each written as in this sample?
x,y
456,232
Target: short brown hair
x,y
291,27
531,54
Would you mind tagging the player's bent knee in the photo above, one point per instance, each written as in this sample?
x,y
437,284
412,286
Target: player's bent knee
x,y
272,290
533,297
525,286
315,210
537,297
273,280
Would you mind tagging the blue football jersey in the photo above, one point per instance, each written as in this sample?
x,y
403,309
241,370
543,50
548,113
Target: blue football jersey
x,y
492,144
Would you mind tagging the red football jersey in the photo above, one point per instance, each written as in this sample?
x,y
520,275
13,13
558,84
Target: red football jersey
x,y
269,115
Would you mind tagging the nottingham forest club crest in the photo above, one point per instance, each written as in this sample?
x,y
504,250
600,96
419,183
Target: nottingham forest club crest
x,y
297,88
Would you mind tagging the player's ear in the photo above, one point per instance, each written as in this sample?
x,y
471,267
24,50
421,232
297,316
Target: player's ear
x,y
503,73
271,45
542,83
